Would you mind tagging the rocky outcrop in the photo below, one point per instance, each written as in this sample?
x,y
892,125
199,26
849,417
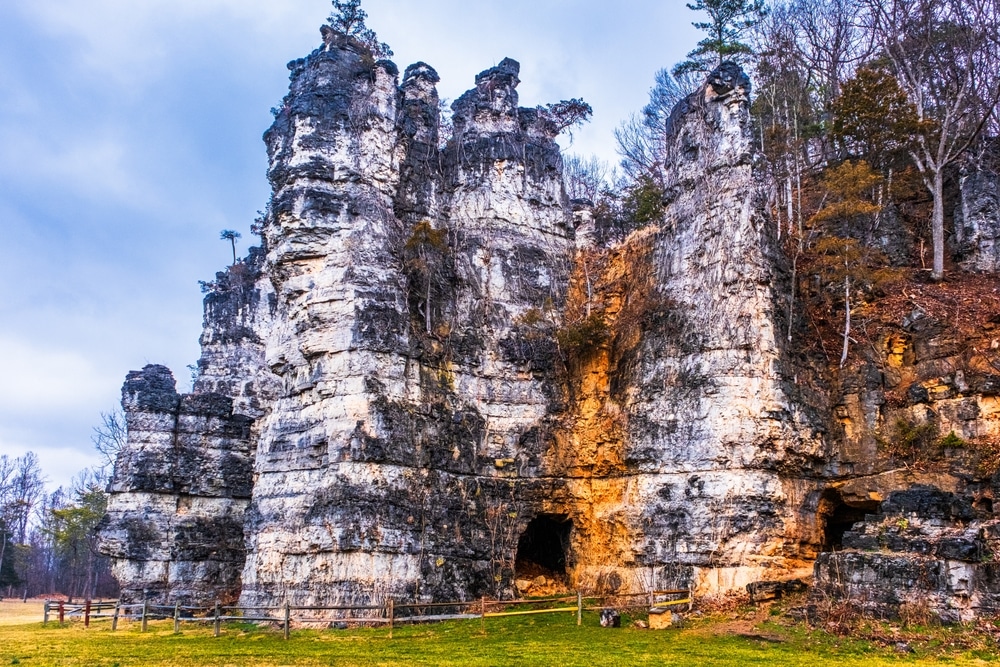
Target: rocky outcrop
x,y
174,524
712,443
977,218
430,382
399,272
929,554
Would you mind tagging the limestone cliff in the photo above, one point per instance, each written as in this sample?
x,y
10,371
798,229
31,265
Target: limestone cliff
x,y
442,390
174,526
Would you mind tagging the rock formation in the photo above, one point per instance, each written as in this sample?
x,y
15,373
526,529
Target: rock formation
x,y
977,220
927,555
175,519
445,387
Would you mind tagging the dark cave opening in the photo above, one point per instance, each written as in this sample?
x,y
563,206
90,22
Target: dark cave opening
x,y
544,543
838,516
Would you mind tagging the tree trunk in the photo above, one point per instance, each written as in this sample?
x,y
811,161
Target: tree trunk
x,y
427,301
937,225
847,319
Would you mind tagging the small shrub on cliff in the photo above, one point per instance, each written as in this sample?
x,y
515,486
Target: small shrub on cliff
x,y
643,203
582,338
910,442
987,457
951,441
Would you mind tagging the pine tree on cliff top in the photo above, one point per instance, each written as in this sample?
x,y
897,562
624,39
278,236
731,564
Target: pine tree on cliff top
x,y
349,19
728,21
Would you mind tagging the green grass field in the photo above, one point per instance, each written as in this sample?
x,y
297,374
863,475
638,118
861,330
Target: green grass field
x,y
539,640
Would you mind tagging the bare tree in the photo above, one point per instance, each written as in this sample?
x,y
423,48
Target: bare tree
x,y
7,468
109,438
585,178
945,55
502,516
426,253
831,40
27,485
21,487
642,139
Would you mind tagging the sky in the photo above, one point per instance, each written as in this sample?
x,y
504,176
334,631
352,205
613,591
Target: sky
x,y
130,136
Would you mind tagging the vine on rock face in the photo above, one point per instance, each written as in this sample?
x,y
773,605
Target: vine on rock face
x,y
426,253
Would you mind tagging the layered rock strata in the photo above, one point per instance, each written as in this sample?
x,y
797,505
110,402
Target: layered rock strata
x,y
399,271
443,390
929,555
174,524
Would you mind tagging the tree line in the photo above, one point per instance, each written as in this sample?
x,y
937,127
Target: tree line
x,y
864,112
48,540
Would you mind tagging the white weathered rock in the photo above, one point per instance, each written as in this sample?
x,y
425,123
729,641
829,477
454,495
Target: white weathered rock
x,y
390,361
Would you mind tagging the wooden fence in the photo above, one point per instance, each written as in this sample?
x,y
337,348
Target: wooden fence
x,y
389,614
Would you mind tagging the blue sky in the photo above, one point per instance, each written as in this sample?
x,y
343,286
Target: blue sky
x,y
130,136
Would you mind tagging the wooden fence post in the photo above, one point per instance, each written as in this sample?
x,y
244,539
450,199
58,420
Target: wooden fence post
x,y
579,608
177,617
86,613
62,612
391,615
145,614
114,619
288,618
217,620
482,615
45,614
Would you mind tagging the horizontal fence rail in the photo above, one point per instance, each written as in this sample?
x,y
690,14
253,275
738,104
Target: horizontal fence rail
x,y
389,614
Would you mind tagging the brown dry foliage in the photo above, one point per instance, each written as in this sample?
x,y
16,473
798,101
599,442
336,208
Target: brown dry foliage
x,y
966,302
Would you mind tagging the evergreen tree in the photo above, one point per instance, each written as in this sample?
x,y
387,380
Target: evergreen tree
x,y
349,19
873,119
729,21
74,538
231,236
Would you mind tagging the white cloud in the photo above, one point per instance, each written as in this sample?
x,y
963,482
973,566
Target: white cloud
x,y
59,463
88,166
135,41
42,380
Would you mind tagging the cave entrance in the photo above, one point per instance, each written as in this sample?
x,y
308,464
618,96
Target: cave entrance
x,y
838,516
543,545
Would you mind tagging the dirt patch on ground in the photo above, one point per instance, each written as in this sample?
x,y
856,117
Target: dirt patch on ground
x,y
16,612
741,623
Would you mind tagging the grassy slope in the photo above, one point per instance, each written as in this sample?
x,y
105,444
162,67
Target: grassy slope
x,y
551,640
